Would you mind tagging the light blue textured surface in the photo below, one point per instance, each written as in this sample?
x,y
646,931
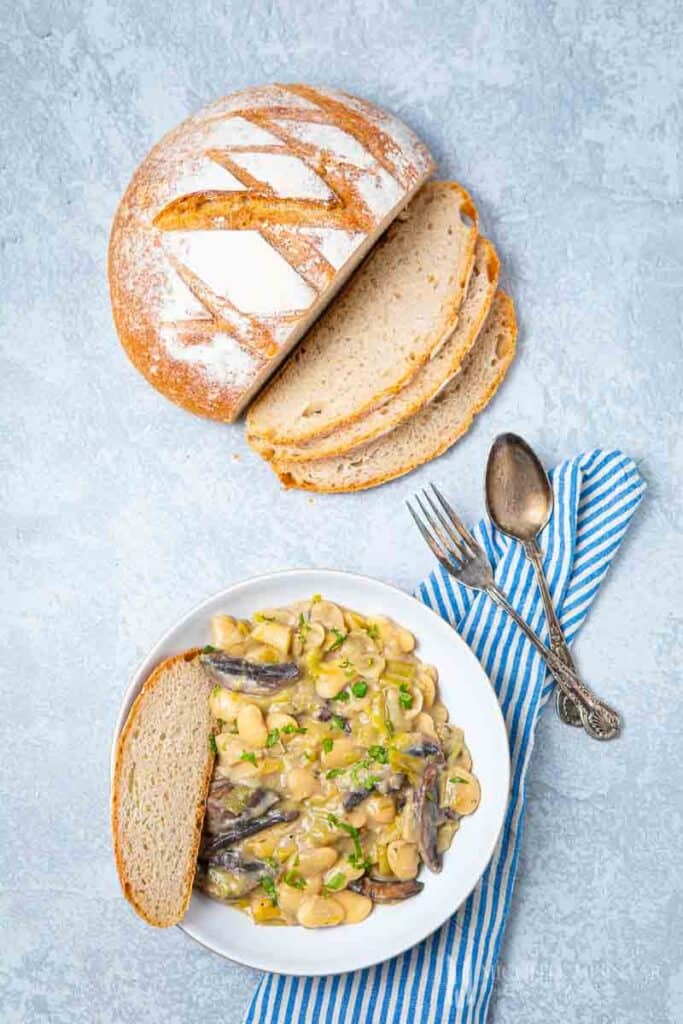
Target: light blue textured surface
x,y
120,511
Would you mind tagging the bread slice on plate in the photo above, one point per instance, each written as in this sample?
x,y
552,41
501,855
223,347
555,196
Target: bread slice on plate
x,y
396,312
427,383
162,772
432,430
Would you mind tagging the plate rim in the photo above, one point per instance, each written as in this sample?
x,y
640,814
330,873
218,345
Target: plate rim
x,y
149,661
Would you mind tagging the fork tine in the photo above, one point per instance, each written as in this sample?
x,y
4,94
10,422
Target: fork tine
x,y
463,554
433,546
457,522
457,554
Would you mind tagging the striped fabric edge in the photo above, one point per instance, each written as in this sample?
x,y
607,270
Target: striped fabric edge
x,y
450,975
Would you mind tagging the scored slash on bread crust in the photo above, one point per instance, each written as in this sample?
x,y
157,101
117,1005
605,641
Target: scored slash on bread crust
x,y
239,228
392,317
421,389
161,778
432,430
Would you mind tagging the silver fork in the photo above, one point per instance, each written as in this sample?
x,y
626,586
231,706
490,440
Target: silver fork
x,y
460,554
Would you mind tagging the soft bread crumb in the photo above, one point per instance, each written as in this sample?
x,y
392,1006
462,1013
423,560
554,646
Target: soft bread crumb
x,y
365,349
432,431
162,774
426,383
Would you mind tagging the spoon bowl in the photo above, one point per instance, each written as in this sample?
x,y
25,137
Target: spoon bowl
x,y
519,498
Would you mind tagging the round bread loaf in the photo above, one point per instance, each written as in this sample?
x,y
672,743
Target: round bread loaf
x,y
241,225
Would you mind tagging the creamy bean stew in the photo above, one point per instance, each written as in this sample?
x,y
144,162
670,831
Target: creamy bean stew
x,y
338,775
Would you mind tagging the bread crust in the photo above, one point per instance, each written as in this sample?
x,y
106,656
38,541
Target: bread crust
x,y
467,207
147,686
444,444
329,448
139,270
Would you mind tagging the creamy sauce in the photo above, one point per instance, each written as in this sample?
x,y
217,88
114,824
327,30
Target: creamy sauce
x,y
332,791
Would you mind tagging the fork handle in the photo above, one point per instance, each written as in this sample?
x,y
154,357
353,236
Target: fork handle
x,y
599,720
567,709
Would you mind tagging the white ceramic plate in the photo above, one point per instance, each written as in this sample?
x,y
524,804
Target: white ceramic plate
x,y
472,704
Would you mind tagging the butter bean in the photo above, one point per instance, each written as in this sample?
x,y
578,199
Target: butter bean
x,y
251,727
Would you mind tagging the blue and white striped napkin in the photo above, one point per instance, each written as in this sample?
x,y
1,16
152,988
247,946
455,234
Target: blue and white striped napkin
x,y
449,976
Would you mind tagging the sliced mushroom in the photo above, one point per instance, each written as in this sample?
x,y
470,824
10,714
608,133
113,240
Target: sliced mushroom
x,y
427,817
243,827
228,803
425,748
249,676
382,890
229,875
356,797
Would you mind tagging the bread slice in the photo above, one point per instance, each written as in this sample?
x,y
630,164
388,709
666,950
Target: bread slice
x,y
429,433
427,383
161,778
395,313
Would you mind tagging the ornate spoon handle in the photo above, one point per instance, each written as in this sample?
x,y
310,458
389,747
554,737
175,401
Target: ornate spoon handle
x,y
598,719
567,709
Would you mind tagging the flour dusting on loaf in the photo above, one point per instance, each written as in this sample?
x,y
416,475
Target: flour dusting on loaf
x,y
241,225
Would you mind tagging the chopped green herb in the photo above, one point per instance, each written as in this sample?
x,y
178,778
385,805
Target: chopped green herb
x,y
212,743
356,858
379,754
344,826
248,755
343,696
289,729
294,879
338,722
296,860
327,744
333,773
373,632
337,881
457,778
359,861
273,737
359,689
269,886
208,649
430,796
303,628
404,697
316,598
260,617
370,782
358,767
339,639
216,690
389,726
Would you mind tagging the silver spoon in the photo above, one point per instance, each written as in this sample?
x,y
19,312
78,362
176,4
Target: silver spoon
x,y
519,501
